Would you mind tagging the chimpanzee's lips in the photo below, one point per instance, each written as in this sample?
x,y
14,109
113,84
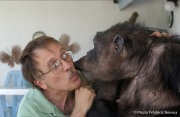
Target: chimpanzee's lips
x,y
79,68
80,64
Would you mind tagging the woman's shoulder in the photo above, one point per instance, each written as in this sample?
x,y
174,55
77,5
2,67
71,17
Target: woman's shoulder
x,y
34,103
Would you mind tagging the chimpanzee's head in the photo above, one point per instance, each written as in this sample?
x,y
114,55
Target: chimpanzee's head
x,y
112,50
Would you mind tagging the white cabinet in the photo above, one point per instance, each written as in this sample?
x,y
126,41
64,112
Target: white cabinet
x,y
125,3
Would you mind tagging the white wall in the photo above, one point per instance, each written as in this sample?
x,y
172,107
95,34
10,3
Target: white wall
x,y
79,19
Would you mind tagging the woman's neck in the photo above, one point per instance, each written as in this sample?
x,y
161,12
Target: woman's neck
x,y
57,98
64,101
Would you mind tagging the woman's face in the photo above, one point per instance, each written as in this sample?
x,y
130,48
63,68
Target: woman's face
x,y
53,58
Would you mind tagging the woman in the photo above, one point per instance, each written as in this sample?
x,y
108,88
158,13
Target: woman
x,y
57,86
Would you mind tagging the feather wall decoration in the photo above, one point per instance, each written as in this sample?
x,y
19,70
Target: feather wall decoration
x,y
16,52
11,58
65,39
6,58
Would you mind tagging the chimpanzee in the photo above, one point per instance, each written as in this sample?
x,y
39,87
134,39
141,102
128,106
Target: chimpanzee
x,y
134,74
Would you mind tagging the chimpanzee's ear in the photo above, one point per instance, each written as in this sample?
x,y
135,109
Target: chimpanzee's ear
x,y
118,44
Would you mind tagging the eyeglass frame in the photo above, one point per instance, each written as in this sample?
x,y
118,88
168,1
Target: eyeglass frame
x,y
70,53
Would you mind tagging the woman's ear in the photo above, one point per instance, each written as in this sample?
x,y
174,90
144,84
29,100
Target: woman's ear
x,y
41,84
118,44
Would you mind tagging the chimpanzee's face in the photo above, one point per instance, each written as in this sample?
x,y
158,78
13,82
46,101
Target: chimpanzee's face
x,y
101,62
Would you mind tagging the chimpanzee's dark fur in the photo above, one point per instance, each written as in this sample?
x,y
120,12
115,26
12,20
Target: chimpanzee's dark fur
x,y
134,74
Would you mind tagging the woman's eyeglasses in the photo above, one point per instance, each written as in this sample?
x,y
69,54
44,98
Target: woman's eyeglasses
x,y
56,66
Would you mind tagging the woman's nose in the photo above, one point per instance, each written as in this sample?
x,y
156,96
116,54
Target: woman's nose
x,y
67,65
